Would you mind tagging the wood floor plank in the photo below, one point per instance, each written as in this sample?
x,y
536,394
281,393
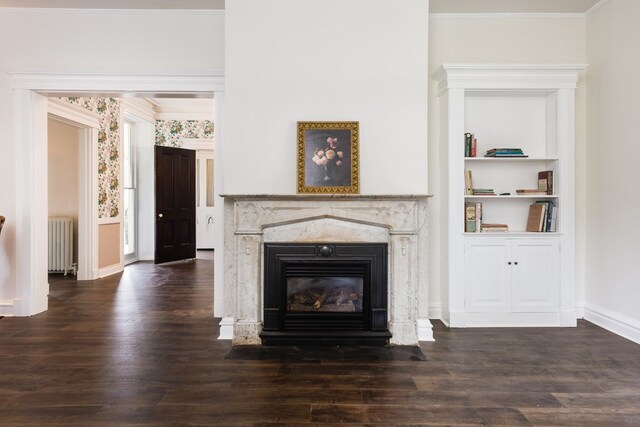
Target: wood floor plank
x,y
140,348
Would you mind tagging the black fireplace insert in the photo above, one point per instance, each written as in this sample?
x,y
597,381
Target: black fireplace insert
x,y
325,294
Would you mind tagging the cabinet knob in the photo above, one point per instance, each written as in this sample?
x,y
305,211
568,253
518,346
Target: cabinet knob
x,y
509,263
159,215
516,263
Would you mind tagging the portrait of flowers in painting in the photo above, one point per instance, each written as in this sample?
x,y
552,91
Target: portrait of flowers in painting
x,y
328,157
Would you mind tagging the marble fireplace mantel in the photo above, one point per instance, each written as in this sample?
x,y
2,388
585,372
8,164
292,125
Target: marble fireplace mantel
x,y
398,220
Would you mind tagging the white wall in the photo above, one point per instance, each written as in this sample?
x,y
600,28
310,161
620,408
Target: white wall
x,y
613,235
502,39
78,41
63,152
326,60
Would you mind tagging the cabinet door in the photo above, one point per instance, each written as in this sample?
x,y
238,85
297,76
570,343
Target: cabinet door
x,y
535,275
487,276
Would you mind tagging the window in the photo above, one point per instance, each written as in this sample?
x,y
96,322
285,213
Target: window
x,y
129,188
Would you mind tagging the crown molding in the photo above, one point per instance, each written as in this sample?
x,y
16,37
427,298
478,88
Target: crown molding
x,y
507,15
67,112
60,10
596,7
508,76
55,83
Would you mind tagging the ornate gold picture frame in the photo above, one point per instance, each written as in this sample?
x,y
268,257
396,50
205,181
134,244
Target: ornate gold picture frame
x,y
328,158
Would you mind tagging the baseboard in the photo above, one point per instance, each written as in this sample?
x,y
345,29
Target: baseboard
x,y
425,330
580,310
435,310
108,271
6,308
226,328
614,322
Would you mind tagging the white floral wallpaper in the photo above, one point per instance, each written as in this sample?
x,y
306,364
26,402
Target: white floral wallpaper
x,y
168,132
108,109
171,132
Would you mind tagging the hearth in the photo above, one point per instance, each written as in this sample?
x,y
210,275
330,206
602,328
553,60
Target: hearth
x,y
325,293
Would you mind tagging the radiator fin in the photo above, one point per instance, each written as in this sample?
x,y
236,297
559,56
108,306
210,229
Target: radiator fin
x,y
60,245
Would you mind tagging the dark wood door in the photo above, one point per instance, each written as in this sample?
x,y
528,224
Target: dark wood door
x,y
175,204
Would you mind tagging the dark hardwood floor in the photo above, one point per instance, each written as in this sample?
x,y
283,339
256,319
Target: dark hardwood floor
x,y
140,348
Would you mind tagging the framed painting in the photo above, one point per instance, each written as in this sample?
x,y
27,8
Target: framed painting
x,y
328,160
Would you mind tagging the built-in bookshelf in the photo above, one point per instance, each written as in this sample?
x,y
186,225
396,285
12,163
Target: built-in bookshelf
x,y
524,114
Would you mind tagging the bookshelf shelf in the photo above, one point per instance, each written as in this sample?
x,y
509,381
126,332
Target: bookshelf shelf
x,y
514,233
498,197
500,278
510,159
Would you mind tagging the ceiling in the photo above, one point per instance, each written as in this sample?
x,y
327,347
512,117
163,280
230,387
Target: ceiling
x,y
511,6
436,6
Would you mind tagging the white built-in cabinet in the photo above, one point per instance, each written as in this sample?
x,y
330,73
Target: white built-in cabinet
x,y
517,278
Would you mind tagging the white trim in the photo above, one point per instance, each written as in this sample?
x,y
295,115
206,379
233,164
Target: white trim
x,y
580,310
425,330
435,310
218,206
108,271
138,107
614,322
72,114
55,83
6,308
67,10
29,130
199,144
89,124
495,77
596,7
109,220
226,328
509,15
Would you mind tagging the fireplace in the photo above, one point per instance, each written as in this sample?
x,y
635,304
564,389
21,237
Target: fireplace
x,y
325,293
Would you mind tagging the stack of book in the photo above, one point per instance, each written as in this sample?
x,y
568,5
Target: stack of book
x,y
531,192
483,192
542,217
472,217
470,145
494,228
505,152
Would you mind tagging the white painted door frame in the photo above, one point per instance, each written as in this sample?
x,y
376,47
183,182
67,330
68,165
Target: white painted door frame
x,y
89,124
30,91
200,145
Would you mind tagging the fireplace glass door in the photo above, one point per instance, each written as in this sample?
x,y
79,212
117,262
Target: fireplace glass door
x,y
324,294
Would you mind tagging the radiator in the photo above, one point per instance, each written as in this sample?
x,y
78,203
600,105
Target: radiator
x,y
60,245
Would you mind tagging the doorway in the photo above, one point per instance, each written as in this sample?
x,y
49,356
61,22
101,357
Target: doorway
x,y
29,129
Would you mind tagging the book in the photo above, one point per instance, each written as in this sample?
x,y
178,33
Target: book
x,y
478,215
530,192
474,146
548,227
535,221
468,183
470,217
505,152
468,141
483,192
545,181
494,228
